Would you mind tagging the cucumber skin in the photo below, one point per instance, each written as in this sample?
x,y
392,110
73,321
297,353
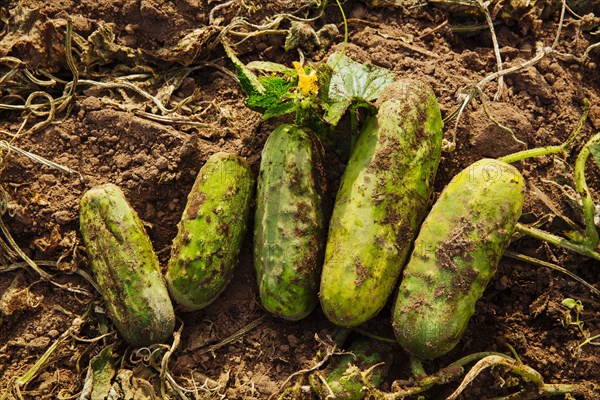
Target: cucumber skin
x,y
289,227
382,199
211,231
455,255
347,385
125,267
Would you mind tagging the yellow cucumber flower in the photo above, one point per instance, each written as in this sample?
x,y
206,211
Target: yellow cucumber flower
x,y
307,83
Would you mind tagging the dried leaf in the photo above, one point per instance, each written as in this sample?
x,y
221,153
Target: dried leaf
x,y
129,387
301,35
32,34
99,376
101,48
187,50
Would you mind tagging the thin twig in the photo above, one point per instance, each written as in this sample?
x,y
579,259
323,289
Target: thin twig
x,y
532,260
237,335
332,350
490,23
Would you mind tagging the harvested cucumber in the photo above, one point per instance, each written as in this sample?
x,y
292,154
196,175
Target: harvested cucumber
x,y
382,199
210,233
455,255
289,228
125,267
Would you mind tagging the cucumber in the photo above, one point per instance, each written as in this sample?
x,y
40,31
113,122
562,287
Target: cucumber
x,y
125,267
289,228
209,238
347,383
382,199
455,255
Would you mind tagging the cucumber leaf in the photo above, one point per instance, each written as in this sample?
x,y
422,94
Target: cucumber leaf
x,y
266,94
595,151
275,91
351,82
99,376
351,79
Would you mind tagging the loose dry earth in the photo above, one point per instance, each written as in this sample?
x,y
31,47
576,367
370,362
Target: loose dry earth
x,y
106,137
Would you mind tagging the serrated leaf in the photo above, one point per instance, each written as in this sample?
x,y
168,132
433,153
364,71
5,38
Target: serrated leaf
x,y
595,151
350,83
276,89
279,109
351,79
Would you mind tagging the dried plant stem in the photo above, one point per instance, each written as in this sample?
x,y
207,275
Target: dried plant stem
x,y
23,380
422,382
237,335
532,260
527,373
488,18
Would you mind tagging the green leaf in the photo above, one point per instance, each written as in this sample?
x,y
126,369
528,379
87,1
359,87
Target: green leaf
x,y
335,111
265,93
99,376
595,151
569,303
279,109
351,79
248,80
276,90
349,83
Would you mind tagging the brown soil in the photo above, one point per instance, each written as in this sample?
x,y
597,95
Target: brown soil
x,y
155,164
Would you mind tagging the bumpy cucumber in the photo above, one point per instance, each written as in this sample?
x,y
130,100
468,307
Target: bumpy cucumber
x,y
210,233
382,199
455,255
348,383
289,232
125,267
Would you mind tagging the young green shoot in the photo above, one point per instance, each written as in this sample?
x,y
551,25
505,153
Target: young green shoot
x,y
576,306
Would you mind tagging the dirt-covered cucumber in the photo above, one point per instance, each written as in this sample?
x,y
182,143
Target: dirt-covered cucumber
x,y
125,267
210,233
455,255
289,228
348,377
382,199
